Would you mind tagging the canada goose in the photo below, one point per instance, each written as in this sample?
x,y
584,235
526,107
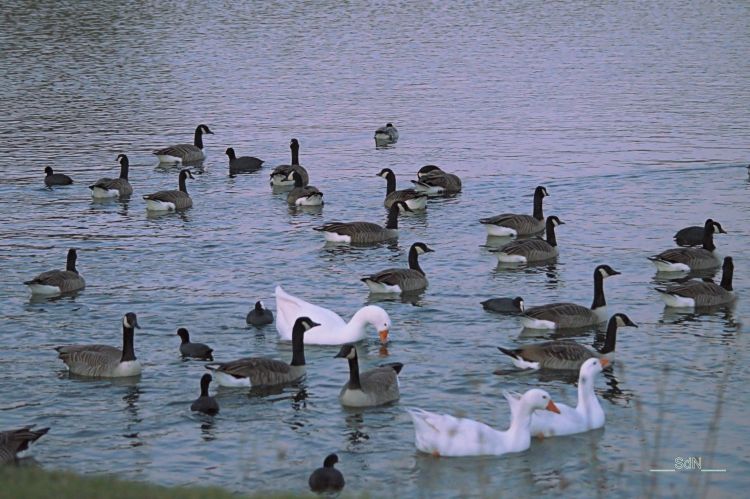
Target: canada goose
x,y
185,153
243,164
262,371
104,361
448,436
171,200
53,178
531,250
194,350
13,442
513,224
113,187
387,134
433,180
691,236
401,280
377,386
205,403
327,478
280,174
566,354
504,305
571,315
259,316
364,232
688,259
701,293
303,195
415,200
54,282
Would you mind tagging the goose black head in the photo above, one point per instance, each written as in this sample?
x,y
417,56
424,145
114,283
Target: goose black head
x,y
552,219
48,170
541,191
205,129
623,320
330,460
306,323
186,173
385,172
183,334
427,169
122,159
421,248
389,125
347,351
130,321
718,229
606,271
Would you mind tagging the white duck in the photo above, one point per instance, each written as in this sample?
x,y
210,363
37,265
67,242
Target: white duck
x,y
333,330
444,435
587,415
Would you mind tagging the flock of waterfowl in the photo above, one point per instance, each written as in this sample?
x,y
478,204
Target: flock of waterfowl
x,y
301,322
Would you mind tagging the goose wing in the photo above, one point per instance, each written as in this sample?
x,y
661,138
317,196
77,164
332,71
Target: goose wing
x,y
90,360
184,151
174,197
286,170
397,277
551,353
530,248
381,382
438,178
120,184
259,370
350,228
522,224
557,312
705,294
686,256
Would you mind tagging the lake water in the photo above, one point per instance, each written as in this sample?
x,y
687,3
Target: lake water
x,y
634,116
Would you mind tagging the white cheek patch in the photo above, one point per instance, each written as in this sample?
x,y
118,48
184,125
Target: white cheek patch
x,y
125,322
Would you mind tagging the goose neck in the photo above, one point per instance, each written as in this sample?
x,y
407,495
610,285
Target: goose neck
x,y
183,186
726,278
392,222
128,353
354,383
71,263
519,431
599,300
298,345
124,167
390,180
295,155
708,237
414,260
551,238
587,401
610,338
538,212
198,138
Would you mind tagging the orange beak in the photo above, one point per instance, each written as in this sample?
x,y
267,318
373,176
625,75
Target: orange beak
x,y
552,407
604,362
383,336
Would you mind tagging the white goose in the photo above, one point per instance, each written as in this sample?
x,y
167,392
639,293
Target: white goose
x,y
444,435
587,415
333,330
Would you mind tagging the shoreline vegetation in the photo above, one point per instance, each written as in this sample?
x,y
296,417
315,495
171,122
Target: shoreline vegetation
x,y
27,482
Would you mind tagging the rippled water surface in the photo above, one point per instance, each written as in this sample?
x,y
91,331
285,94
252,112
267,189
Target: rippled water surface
x,y
633,115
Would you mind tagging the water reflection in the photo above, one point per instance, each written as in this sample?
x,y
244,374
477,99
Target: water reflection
x,y
162,215
354,422
678,316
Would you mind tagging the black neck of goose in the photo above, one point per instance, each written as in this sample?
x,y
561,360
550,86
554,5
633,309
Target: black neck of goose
x,y
708,238
598,291
295,155
183,187
609,340
198,139
354,383
128,353
551,238
204,386
297,179
390,179
414,260
392,222
298,345
124,167
726,278
538,212
71,263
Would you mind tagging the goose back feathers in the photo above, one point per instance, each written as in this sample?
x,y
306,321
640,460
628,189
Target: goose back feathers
x,y
514,224
114,187
185,153
401,280
433,180
377,386
171,200
58,281
364,232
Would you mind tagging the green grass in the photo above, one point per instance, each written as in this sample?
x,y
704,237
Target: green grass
x,y
36,483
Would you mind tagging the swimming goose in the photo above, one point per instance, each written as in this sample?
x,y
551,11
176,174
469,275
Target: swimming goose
x,y
448,436
259,316
414,200
333,329
113,187
531,250
104,361
688,259
194,350
364,232
587,415
55,282
571,315
243,164
692,294
377,386
13,442
327,478
387,134
51,178
262,371
171,200
205,403
433,180
185,153
401,280
280,174
566,354
691,236
302,194
504,305
513,224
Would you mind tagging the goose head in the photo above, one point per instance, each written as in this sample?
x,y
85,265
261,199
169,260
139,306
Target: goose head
x,y
623,320
385,173
122,159
347,351
605,271
330,460
186,174
184,335
204,129
427,169
714,227
389,125
537,399
554,221
305,323
591,368
540,191
379,318
130,321
421,248
518,303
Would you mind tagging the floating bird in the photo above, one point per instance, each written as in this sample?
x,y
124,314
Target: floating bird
x,y
205,403
262,371
53,178
364,232
401,280
696,294
185,153
448,436
689,259
327,478
105,188
303,194
194,350
259,316
280,175
414,200
514,224
104,361
387,134
377,386
171,200
433,180
531,250
243,164
13,442
55,282
333,330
